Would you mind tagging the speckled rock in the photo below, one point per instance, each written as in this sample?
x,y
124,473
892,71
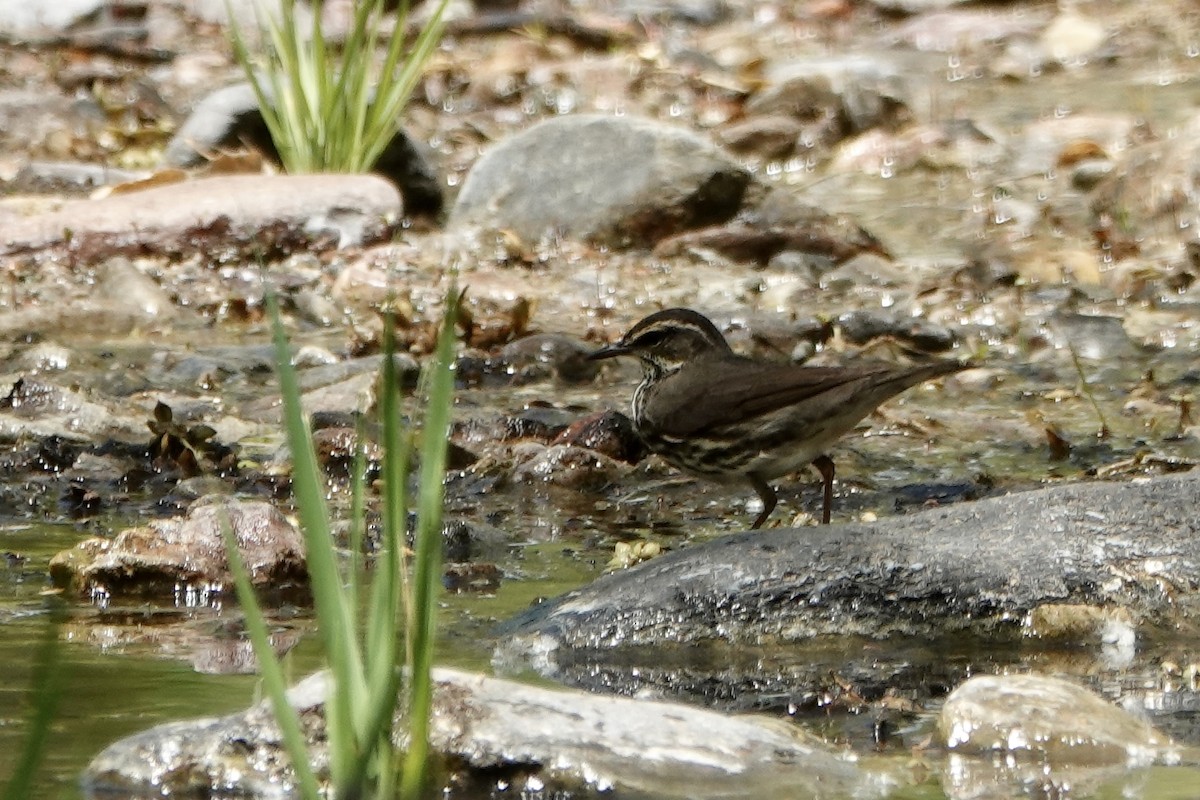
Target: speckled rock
x,y
169,557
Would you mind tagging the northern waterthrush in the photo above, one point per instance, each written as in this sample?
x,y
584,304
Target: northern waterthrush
x,y
728,418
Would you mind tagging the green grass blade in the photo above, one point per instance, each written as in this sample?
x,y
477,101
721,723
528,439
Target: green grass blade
x,y
334,618
428,547
241,53
355,571
395,90
49,679
391,580
271,671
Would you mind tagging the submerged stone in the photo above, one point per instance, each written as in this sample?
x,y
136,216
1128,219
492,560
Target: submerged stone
x,y
494,729
1050,720
1008,734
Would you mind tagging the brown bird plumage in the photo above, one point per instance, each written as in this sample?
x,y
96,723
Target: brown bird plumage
x,y
728,418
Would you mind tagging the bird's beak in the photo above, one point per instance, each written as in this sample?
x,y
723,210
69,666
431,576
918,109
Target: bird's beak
x,y
609,351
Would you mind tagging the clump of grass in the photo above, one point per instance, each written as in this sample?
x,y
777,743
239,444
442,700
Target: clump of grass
x,y
331,109
365,647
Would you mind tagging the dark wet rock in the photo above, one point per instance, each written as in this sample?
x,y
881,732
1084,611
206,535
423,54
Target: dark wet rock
x,y
556,740
529,359
459,457
219,217
230,118
766,135
478,432
982,566
337,448
860,327
775,223
838,96
408,370
621,181
550,354
1018,731
834,676
608,432
565,465
50,454
463,540
539,422
69,177
1088,173
80,501
169,556
775,336
471,578
916,6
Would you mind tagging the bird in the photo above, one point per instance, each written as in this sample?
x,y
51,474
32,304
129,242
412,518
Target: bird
x,y
731,418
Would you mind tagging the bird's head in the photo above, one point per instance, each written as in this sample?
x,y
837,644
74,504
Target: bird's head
x,y
668,339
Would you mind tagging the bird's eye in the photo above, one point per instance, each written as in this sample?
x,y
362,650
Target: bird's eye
x,y
651,338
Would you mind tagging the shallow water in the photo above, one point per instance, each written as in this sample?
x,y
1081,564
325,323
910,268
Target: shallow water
x,y
129,668
133,667
122,678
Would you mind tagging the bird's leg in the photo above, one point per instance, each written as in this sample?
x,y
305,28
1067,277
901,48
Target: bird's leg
x,y
767,495
824,465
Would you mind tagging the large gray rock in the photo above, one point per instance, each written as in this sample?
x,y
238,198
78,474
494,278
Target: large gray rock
x,y
620,181
980,567
235,213
548,739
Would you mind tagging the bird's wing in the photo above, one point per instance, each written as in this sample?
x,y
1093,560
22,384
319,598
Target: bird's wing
x,y
727,392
